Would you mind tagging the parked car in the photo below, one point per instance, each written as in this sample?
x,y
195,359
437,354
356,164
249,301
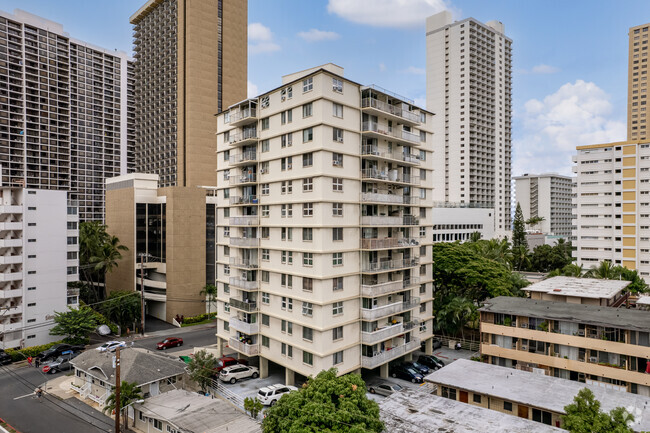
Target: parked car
x,y
227,361
420,368
269,395
110,346
437,344
56,351
385,388
431,361
61,363
169,342
407,373
5,358
235,372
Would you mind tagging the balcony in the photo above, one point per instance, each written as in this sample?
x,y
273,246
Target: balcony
x,y
243,158
379,335
11,276
411,281
375,153
244,242
243,117
248,307
237,262
394,112
374,290
245,327
374,197
389,265
11,293
242,179
381,220
392,176
410,220
378,130
247,136
241,347
389,310
11,260
245,220
378,244
11,209
11,242
243,200
244,284
388,355
11,226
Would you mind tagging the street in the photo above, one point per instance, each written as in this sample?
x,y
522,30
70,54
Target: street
x,y
191,336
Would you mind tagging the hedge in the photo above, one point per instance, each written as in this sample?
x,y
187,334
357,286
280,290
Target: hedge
x,y
197,319
23,354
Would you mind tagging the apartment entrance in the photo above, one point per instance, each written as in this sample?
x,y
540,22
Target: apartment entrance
x,y
464,397
522,411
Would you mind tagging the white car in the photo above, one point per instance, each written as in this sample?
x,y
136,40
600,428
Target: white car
x,y
110,346
235,372
269,395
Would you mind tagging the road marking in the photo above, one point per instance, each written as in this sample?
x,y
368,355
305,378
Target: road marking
x,y
23,396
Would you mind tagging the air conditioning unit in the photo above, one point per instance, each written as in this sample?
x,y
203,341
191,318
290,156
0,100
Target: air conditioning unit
x,y
337,163
339,139
593,359
288,166
581,332
524,347
262,171
524,325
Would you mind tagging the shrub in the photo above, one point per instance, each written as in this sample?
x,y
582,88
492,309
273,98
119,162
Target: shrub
x,y
22,354
197,319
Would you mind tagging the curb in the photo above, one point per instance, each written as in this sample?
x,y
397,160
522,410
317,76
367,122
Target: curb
x,y
3,430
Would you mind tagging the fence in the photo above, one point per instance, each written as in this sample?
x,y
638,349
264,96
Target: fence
x,y
472,345
221,390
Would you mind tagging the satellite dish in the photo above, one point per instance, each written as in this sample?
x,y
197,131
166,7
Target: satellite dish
x,y
103,330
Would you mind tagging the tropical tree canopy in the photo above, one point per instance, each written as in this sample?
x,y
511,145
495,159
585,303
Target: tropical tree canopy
x,y
210,292
201,368
585,416
122,307
129,393
76,323
519,229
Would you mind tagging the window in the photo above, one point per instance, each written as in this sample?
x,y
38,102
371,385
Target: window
x,y
337,184
423,231
286,116
337,333
307,259
265,123
307,159
226,232
423,136
226,212
542,416
286,163
265,189
337,135
337,160
265,276
264,167
157,424
226,288
423,193
307,358
307,308
266,298
307,110
265,254
307,234
307,333
265,341
337,209
287,233
307,84
265,145
286,140
507,406
226,269
287,327
307,135
337,110
287,303
337,85
265,102
423,155
286,281
226,193
449,393
337,259
476,398
265,211
308,184
337,308
337,234
337,358
307,209
287,187
337,283
307,284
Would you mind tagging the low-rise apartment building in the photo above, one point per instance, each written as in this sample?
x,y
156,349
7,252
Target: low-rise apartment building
x,y
586,343
324,225
591,291
459,221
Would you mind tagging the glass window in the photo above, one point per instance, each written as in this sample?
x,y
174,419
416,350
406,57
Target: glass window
x,y
307,308
337,259
337,110
307,234
337,358
337,184
308,259
307,135
307,333
337,135
307,110
307,358
337,308
307,284
307,209
265,123
337,85
337,283
308,184
308,84
337,234
337,333
337,209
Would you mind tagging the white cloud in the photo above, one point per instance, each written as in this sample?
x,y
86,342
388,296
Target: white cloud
x,y
251,89
413,70
382,67
576,114
387,13
260,39
315,35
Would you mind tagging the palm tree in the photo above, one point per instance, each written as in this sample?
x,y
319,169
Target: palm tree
x,y
533,221
210,291
604,271
106,258
453,316
520,257
129,393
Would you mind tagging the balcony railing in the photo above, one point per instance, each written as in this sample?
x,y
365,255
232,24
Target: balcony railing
x,y
389,176
242,179
390,109
372,150
378,220
389,310
249,307
243,200
410,220
374,290
411,281
11,276
238,116
388,355
244,242
245,327
242,283
241,347
237,262
243,157
244,136
381,334
245,220
387,265
389,198
385,130
375,244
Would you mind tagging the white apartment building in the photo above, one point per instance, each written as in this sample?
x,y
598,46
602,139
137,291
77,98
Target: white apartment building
x,y
612,205
457,222
324,225
469,84
38,257
63,111
548,196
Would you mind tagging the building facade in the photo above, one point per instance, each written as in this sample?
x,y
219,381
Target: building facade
x,y
547,196
638,119
63,111
585,343
38,258
458,222
190,63
324,225
612,205
469,85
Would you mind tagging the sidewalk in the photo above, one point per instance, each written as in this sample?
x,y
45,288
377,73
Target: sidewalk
x,y
166,332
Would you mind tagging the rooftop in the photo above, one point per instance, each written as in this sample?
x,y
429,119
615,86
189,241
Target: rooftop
x,y
579,287
643,300
413,410
534,389
191,412
568,312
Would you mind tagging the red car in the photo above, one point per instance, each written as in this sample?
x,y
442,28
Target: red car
x,y
169,342
227,361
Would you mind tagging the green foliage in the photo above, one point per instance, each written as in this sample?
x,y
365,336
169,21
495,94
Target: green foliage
x,y
201,368
605,270
76,323
570,270
494,249
452,316
533,221
253,405
325,403
122,307
210,292
196,320
584,416
22,354
519,229
129,393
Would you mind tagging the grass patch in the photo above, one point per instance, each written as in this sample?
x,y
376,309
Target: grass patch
x,y
203,322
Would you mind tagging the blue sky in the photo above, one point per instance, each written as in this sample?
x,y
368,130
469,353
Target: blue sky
x,y
569,57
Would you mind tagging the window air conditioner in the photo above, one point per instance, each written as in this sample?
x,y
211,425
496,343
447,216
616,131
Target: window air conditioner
x,y
524,347
262,171
593,359
524,325
339,139
337,162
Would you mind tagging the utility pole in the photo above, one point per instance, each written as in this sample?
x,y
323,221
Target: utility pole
x,y
117,390
142,294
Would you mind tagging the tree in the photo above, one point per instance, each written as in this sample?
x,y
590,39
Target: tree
x,y
201,368
584,416
253,405
521,258
122,307
325,403
107,256
75,323
570,270
604,271
454,315
129,393
210,292
519,229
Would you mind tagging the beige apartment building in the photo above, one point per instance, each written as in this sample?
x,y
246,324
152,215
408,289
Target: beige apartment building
x,y
587,343
612,205
324,225
638,118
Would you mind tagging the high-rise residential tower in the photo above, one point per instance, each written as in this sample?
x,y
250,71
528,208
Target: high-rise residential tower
x,y
546,196
190,63
64,103
469,88
638,116
324,225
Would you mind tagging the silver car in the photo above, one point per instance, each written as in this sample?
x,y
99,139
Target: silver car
x,y
235,372
385,388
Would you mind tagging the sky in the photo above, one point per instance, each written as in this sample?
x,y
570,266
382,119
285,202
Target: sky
x,y
569,57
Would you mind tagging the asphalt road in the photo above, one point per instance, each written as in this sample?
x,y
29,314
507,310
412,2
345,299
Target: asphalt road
x,y
191,338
